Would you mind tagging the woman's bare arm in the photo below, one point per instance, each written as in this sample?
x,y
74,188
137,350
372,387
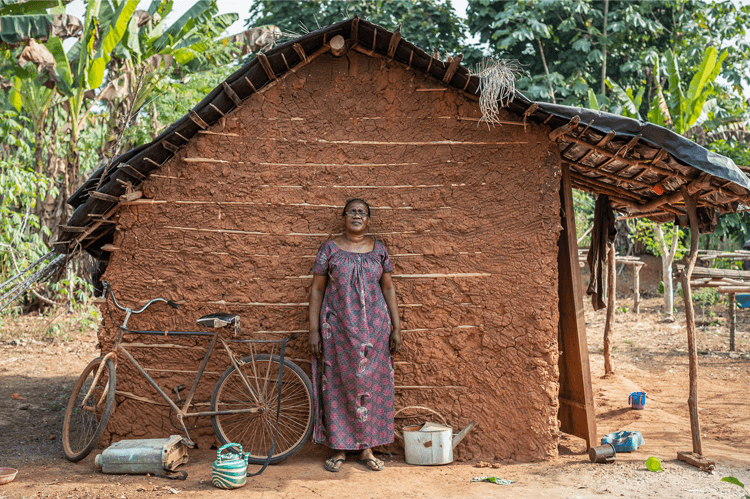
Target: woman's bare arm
x,y
389,293
317,291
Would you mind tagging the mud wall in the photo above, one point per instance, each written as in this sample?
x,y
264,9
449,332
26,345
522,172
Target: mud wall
x,y
470,216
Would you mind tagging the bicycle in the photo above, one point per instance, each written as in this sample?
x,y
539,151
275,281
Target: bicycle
x,y
263,401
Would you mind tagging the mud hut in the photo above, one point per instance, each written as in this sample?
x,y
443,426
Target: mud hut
x,y
225,210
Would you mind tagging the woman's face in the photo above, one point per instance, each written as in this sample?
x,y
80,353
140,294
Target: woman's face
x,y
356,217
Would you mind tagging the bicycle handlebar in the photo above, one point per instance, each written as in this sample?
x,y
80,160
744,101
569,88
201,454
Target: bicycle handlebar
x,y
126,309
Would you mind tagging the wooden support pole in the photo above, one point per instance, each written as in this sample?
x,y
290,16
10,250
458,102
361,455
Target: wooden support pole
x,y
355,29
637,289
732,321
695,427
609,323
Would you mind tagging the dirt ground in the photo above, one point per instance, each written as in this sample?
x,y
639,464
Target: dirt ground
x,y
41,357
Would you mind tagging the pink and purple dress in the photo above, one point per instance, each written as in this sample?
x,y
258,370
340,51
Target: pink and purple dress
x,y
353,379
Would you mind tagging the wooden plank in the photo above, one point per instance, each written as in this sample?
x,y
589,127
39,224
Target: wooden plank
x,y
697,460
576,412
699,272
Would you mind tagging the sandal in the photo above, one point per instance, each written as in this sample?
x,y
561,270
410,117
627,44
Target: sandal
x,y
330,465
374,466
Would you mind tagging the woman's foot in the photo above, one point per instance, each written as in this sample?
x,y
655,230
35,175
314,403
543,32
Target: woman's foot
x,y
334,463
368,459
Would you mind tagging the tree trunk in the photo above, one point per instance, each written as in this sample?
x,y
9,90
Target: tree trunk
x,y
609,324
604,48
546,70
667,256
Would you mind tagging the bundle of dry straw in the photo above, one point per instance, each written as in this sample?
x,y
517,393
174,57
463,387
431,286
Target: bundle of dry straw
x,y
497,86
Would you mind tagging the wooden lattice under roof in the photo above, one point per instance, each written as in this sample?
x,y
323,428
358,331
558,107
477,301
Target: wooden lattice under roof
x,y
641,172
633,165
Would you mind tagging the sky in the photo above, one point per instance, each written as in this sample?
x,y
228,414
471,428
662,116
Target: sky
x,y
77,8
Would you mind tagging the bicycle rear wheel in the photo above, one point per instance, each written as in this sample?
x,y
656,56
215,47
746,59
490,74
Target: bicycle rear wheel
x,y
85,421
255,431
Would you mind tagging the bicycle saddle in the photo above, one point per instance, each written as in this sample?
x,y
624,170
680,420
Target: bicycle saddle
x,y
221,319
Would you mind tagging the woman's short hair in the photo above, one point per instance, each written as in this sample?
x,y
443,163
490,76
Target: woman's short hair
x,y
346,206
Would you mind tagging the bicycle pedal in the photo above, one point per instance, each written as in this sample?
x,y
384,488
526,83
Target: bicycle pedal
x,y
188,443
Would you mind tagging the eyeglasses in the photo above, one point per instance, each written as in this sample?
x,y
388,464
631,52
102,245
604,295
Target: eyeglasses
x,y
354,213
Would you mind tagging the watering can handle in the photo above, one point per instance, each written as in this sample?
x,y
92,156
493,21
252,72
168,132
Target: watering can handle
x,y
224,447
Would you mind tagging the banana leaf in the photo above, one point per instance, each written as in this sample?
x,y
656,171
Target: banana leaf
x,y
14,7
112,36
18,29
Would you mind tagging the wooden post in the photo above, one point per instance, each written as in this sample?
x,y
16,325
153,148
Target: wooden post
x,y
695,427
608,325
637,289
732,321
576,396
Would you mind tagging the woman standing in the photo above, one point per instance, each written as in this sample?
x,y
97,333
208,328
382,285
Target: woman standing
x,y
354,329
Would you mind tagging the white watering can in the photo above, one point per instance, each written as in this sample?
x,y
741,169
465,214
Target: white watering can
x,y
429,444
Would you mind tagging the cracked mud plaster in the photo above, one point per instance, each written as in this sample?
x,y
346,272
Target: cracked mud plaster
x,y
471,226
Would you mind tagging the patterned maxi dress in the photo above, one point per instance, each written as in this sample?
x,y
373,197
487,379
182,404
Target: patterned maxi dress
x,y
353,379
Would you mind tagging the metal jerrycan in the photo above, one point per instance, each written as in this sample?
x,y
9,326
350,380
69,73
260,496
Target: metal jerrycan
x,y
229,471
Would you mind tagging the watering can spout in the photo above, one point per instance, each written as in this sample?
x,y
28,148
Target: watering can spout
x,y
461,434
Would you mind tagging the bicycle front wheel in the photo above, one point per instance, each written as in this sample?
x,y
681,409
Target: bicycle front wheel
x,y
257,386
88,411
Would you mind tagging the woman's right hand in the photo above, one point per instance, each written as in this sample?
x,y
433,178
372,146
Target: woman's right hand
x,y
316,344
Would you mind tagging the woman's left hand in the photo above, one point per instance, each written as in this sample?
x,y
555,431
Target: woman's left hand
x,y
395,343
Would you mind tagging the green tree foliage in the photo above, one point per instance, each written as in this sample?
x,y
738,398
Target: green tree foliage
x,y
20,230
565,44
572,46
429,24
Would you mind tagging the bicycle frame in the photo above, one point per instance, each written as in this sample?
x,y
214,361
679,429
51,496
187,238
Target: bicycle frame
x,y
181,412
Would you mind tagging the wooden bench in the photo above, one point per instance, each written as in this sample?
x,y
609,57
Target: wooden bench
x,y
726,281
633,261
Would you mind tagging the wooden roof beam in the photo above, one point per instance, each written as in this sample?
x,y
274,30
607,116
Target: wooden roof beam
x,y
631,162
610,175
